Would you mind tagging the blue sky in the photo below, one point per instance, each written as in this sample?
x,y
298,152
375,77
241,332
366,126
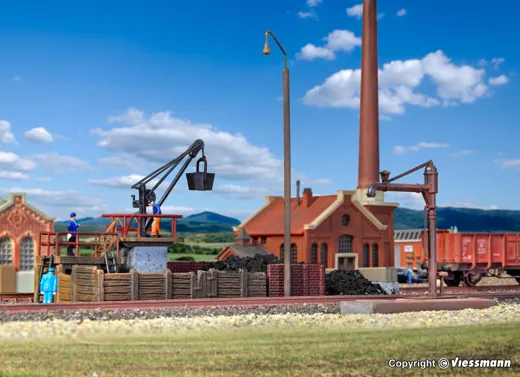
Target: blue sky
x,y
95,95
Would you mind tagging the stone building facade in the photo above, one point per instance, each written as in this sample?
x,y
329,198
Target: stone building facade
x,y
20,227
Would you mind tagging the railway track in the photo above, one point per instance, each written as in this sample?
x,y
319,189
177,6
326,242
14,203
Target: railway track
x,y
461,289
239,302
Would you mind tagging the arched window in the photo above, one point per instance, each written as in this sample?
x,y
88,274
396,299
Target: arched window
x,y
323,254
6,251
375,255
27,254
345,220
366,255
345,244
282,254
314,253
294,254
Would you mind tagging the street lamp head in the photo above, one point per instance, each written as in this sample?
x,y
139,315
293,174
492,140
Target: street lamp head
x,y
266,49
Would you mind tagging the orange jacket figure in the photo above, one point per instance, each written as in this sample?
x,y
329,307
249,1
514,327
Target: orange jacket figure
x,y
156,225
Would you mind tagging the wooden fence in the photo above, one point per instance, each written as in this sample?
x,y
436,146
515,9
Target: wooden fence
x,y
89,283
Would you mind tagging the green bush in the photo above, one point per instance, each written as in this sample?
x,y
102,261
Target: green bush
x,y
186,258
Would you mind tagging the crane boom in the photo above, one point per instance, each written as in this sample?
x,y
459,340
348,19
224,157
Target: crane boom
x,y
148,195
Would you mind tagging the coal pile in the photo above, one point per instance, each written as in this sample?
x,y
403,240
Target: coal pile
x,y
350,282
258,263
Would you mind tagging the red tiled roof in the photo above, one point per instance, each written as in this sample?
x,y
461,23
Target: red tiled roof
x,y
270,220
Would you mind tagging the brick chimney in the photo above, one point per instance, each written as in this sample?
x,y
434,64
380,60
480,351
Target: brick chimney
x,y
368,168
307,197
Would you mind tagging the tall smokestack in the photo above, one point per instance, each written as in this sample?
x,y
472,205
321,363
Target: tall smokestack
x,y
368,169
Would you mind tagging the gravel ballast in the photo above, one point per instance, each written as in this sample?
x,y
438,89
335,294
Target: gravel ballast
x,y
95,324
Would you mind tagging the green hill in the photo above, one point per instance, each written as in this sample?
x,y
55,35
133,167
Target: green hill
x,y
205,222
465,219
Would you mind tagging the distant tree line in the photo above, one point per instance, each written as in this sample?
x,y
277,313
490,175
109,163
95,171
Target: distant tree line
x,y
181,248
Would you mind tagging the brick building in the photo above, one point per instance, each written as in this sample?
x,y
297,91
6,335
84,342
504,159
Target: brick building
x,y
20,226
347,230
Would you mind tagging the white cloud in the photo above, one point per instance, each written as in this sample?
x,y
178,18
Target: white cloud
x,y
497,61
306,14
463,152
398,149
398,81
17,78
6,136
401,12
38,134
499,80
355,11
313,3
124,160
61,164
12,162
161,137
507,163
126,182
52,199
241,192
337,40
311,52
43,179
13,176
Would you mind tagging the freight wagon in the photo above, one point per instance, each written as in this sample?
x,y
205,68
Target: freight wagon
x,y
468,257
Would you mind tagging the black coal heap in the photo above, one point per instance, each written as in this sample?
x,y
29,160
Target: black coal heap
x,y
258,263
350,282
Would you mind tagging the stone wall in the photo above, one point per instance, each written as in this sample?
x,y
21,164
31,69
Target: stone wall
x,y
306,280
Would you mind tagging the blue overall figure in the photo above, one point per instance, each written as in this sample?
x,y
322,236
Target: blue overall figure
x,y
49,286
409,273
71,237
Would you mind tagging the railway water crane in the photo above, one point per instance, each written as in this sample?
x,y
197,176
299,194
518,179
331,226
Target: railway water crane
x,y
197,181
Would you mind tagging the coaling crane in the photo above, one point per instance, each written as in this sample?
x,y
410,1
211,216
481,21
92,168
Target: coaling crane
x,y
198,181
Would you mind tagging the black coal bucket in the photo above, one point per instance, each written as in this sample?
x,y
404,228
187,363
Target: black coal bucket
x,y
200,181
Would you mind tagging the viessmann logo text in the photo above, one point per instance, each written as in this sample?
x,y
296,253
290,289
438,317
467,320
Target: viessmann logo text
x,y
444,363
463,363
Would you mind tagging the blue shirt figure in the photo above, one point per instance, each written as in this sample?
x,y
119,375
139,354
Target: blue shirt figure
x,y
156,209
49,286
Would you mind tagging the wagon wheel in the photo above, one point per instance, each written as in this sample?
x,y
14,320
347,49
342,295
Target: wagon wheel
x,y
455,282
471,279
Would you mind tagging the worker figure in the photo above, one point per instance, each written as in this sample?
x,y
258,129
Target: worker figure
x,y
156,225
49,286
72,227
409,273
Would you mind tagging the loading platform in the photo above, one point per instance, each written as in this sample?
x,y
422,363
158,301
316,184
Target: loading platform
x,y
97,249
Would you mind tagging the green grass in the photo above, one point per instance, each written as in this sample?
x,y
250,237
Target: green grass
x,y
196,257
214,245
277,352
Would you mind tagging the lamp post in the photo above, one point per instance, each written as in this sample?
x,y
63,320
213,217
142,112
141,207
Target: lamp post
x,y
287,164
